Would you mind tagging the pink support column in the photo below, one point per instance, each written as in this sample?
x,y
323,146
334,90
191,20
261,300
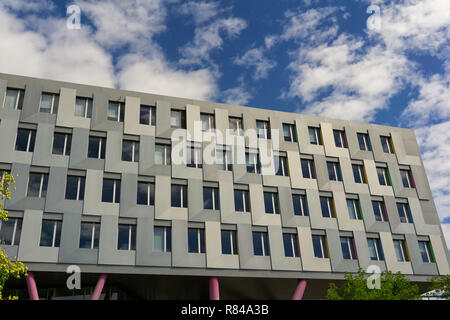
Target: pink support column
x,y
31,285
214,288
99,287
300,290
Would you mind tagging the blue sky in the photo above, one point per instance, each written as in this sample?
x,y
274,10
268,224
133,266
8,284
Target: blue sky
x,y
309,56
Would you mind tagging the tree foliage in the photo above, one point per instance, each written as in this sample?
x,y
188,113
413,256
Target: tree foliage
x,y
392,287
440,287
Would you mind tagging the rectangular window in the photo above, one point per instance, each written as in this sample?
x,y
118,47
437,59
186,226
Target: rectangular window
x,y
162,239
49,103
263,129
211,198
89,235
300,205
241,201
116,111
404,213
163,154
236,126
75,188
358,173
126,237
281,166
383,176
223,160
364,142
10,231
25,140
194,157
207,121
315,136
261,244
145,193
326,204
401,250
196,240
308,169
62,143
50,233
348,248
37,185
178,119
354,210
271,202
375,249
386,143
253,162
97,147
340,140
130,150
289,132
83,107
111,191
14,99
320,246
426,251
229,242
290,245
147,115
334,171
407,179
179,196
379,211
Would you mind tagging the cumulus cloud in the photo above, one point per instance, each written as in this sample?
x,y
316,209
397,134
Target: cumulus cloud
x,y
239,95
201,11
255,58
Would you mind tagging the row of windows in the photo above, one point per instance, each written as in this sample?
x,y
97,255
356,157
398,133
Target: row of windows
x,y
162,241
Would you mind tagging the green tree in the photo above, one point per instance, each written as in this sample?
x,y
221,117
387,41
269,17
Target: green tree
x,y
392,287
8,268
440,287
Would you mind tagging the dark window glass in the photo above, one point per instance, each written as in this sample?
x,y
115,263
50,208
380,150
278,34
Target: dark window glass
x,y
260,244
196,240
25,140
74,187
326,205
89,235
300,205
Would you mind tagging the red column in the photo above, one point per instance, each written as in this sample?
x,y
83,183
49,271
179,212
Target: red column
x,y
300,290
214,288
99,287
31,285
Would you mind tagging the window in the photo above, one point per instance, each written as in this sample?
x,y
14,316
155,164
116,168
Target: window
x,y
83,107
290,245
289,132
49,103
253,163
407,179
271,202
37,185
386,143
147,115
111,190
229,243
97,147
75,188
364,142
401,250
14,99
196,240
25,140
179,196
263,129
126,238
308,170
314,135
375,249
236,126
194,157
211,198
10,231
178,119
223,160
348,248
116,111
354,209
162,154
89,235
300,205
379,211
145,193
261,244
241,201
320,246
130,150
50,233
162,239
359,173
62,143
207,121
426,251
383,176
326,204
281,166
404,213
340,140
334,171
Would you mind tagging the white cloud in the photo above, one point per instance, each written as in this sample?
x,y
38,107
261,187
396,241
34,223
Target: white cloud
x,y
239,95
201,11
255,58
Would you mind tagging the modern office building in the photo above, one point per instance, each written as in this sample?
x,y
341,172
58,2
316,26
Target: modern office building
x,y
99,187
